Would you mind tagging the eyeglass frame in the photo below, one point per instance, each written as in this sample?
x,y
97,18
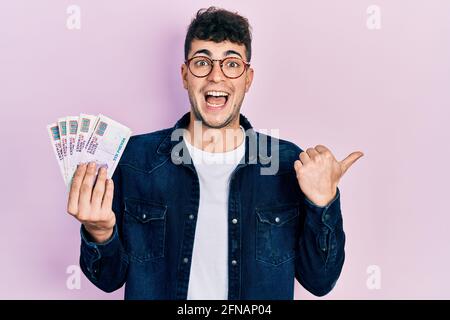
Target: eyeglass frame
x,y
188,62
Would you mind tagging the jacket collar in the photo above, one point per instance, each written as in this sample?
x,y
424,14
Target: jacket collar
x,y
251,140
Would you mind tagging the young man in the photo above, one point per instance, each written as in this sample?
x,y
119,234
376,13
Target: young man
x,y
192,215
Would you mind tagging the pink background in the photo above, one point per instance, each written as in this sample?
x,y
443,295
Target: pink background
x,y
321,76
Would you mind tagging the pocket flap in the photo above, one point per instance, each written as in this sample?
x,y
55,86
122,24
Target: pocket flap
x,y
277,215
145,211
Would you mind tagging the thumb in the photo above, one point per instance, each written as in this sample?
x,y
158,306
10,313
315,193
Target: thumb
x,y
349,160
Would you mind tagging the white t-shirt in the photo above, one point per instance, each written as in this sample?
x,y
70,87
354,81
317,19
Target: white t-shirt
x,y
209,267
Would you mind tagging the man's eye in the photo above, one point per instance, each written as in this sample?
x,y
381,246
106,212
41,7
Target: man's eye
x,y
233,64
201,63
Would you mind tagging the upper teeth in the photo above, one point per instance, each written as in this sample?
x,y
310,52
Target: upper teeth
x,y
217,93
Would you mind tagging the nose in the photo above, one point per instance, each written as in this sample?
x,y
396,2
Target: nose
x,y
216,74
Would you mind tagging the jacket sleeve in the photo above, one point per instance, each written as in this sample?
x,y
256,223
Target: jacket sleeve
x,y
106,264
321,246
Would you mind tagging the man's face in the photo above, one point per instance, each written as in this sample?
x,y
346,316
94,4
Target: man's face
x,y
216,112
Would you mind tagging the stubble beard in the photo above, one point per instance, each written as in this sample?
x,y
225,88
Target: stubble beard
x,y
198,116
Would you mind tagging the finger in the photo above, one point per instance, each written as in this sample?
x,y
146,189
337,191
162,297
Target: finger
x,y
349,160
99,189
86,186
108,197
72,203
312,153
297,164
322,149
304,158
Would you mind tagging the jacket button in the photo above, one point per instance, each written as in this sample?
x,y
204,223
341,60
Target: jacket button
x,y
277,219
185,260
144,216
234,262
191,216
234,221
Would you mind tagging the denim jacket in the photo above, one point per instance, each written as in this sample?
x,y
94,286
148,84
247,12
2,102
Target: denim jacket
x,y
275,234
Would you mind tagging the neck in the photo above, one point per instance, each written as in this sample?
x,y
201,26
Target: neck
x,y
214,140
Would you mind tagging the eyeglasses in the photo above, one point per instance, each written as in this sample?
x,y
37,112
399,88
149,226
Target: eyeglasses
x,y
231,67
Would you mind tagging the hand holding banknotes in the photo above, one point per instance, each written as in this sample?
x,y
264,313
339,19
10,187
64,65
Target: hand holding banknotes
x,y
88,149
90,201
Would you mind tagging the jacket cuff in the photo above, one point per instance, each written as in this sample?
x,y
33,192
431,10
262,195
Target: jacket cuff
x,y
98,250
328,215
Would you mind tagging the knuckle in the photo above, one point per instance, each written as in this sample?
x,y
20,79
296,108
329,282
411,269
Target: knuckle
x,y
98,190
96,195
101,175
108,185
85,187
88,176
90,169
104,215
86,216
83,212
75,184
107,191
79,173
70,204
93,219
107,198
99,184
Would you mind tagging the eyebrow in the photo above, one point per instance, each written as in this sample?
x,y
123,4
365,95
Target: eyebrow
x,y
209,54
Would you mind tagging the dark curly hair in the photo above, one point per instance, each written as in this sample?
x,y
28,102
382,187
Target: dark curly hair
x,y
219,25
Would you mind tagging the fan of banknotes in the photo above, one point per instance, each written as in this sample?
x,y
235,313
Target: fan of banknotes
x,y
86,138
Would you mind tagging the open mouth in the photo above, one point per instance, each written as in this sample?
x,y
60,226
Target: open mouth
x,y
216,99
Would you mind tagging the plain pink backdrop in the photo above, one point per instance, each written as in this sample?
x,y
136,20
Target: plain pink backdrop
x,y
321,76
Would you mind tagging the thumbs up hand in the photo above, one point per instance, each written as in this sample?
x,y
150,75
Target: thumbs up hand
x,y
318,173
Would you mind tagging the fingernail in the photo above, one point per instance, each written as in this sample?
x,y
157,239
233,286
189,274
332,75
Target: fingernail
x,y
91,164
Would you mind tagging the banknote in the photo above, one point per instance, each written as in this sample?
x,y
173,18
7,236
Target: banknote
x,y
86,138
86,124
106,144
72,126
55,139
62,125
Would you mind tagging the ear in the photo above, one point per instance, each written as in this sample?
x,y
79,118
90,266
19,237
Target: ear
x,y
249,79
184,71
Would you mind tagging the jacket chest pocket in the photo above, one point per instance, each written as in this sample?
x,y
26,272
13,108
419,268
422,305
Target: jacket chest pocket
x,y
276,233
144,229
